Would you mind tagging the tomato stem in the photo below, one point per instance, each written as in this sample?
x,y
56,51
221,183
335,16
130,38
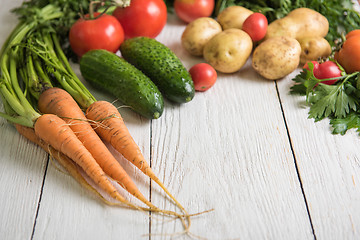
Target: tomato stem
x,y
92,8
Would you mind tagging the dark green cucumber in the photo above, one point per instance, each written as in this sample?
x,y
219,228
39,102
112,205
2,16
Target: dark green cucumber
x,y
161,65
108,72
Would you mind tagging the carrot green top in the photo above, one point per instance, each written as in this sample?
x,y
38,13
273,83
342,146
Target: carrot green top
x,y
32,60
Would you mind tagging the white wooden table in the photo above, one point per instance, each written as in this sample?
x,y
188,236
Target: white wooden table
x,y
245,148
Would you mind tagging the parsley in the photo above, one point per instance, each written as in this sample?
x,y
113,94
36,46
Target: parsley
x,y
338,102
341,125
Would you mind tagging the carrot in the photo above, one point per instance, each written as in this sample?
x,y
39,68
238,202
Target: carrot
x,y
67,163
58,101
57,133
71,83
46,124
114,130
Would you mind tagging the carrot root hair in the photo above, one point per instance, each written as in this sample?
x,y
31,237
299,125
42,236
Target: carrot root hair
x,y
62,159
43,137
48,126
71,167
117,134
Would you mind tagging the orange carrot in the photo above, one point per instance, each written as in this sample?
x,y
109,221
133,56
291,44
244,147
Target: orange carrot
x,y
67,163
58,101
56,132
42,135
117,134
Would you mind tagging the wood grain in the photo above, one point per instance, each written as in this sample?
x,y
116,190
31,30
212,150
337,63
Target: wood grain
x,y
244,148
328,167
22,165
228,149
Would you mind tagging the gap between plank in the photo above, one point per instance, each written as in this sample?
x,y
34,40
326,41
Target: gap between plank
x,y
295,162
150,184
40,197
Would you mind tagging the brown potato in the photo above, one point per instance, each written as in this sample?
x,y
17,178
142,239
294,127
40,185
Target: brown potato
x,y
276,57
299,23
198,33
314,48
233,17
229,50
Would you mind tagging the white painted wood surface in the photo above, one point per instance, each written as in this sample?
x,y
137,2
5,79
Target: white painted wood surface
x,y
244,148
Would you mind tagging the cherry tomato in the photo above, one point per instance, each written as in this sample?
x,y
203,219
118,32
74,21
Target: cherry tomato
x,y
349,54
104,32
189,10
203,75
315,63
256,26
142,18
328,69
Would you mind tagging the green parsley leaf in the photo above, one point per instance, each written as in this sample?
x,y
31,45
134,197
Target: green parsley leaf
x,y
299,87
332,100
341,125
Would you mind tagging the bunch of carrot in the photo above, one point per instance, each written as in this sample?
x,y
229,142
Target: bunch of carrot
x,y
46,101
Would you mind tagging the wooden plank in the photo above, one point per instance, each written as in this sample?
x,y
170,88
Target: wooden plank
x,y
22,164
329,167
21,176
81,214
228,149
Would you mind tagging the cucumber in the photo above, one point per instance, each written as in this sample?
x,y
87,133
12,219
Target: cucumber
x,y
108,72
161,65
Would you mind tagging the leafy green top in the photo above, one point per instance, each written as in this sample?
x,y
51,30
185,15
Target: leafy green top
x,y
338,102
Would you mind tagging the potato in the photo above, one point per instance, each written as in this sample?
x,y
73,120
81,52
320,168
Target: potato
x,y
198,33
314,48
276,57
299,23
233,17
229,50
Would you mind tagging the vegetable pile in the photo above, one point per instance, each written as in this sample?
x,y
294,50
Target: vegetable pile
x,y
285,34
332,87
225,49
277,48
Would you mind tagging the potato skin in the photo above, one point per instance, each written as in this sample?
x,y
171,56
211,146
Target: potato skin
x,y
233,17
299,23
276,57
314,48
229,50
198,33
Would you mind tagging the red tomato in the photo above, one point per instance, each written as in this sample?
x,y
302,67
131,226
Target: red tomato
x,y
353,33
189,10
203,75
256,26
315,63
142,18
349,54
104,32
328,69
